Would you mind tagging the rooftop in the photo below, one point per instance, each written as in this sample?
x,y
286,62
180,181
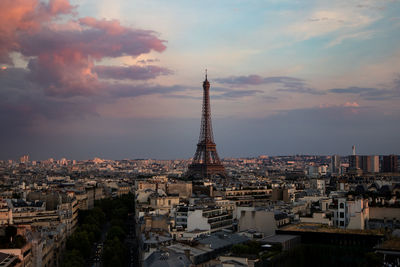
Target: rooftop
x,y
221,240
278,238
391,244
314,227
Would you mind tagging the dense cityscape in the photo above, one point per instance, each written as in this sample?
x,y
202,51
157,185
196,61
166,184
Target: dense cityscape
x,y
270,207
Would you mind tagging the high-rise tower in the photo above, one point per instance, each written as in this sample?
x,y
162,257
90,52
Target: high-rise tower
x,y
206,162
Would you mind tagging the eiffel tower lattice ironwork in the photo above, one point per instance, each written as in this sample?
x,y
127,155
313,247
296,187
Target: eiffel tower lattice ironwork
x,y
206,162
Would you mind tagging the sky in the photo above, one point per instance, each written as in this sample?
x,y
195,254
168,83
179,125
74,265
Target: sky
x,y
123,79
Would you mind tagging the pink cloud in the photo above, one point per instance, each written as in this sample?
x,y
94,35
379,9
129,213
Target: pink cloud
x,y
112,27
351,104
23,16
56,7
345,105
63,55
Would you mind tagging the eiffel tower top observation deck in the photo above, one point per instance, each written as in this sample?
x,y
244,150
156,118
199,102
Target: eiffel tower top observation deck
x,y
206,163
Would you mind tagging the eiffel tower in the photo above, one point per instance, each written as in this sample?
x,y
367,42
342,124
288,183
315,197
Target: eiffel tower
x,y
206,163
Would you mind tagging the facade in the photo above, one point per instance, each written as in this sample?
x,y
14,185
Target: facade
x,y
5,213
260,220
33,213
351,214
389,163
365,163
182,189
211,219
24,254
335,165
163,202
316,171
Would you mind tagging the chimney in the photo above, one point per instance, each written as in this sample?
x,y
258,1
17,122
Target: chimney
x,y
157,189
187,253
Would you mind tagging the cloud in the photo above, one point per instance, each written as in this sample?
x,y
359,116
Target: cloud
x,y
180,96
63,53
220,93
353,90
242,80
346,108
63,80
232,94
325,21
301,89
64,61
131,72
23,105
119,90
290,84
25,16
257,80
150,60
351,104
371,93
358,36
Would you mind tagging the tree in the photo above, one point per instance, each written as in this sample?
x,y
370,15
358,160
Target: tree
x,y
73,259
116,231
80,241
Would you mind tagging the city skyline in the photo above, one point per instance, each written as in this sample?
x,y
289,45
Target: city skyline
x,y
84,79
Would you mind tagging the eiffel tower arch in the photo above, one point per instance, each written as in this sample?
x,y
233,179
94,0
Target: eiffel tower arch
x,y
206,163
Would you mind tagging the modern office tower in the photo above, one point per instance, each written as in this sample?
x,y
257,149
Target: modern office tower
x,y
373,163
206,162
389,163
354,162
335,164
365,163
354,149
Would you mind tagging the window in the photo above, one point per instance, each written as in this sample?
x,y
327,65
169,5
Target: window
x,y
342,205
342,215
341,223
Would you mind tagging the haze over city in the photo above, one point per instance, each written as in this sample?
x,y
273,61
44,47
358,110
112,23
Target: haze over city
x,y
122,79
